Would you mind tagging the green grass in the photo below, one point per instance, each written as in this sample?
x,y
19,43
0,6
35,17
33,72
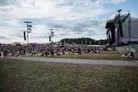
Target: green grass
x,y
93,56
97,56
31,76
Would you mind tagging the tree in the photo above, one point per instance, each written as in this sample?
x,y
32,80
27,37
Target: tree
x,y
83,40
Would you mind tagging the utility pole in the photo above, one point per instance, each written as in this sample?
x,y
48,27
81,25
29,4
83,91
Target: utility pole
x,y
28,30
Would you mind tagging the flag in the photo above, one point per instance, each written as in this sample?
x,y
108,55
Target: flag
x,y
49,38
24,33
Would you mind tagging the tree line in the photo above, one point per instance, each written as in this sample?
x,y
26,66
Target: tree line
x,y
83,40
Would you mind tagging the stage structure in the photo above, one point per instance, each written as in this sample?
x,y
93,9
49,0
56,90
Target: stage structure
x,y
122,30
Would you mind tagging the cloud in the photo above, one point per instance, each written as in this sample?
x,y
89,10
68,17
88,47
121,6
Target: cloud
x,y
57,25
103,2
5,2
3,37
67,18
91,28
45,8
80,28
116,1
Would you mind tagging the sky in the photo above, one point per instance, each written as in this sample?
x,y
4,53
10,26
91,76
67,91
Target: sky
x,y
67,18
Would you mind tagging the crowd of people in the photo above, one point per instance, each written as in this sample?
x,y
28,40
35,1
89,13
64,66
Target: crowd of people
x,y
7,50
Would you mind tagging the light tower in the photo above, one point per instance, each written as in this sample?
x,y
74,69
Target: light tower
x,y
28,31
51,35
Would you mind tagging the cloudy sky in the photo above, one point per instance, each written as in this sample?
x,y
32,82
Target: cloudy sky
x,y
67,18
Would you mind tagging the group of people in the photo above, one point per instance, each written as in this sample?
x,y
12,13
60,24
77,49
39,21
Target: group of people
x,y
128,55
7,50
10,50
46,49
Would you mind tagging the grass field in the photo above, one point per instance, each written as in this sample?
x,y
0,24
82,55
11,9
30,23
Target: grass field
x,y
30,76
94,56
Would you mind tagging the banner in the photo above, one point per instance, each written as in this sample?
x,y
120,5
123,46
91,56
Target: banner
x,y
24,33
116,37
49,38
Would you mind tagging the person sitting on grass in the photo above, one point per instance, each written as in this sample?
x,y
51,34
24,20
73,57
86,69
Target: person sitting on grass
x,y
79,51
128,55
